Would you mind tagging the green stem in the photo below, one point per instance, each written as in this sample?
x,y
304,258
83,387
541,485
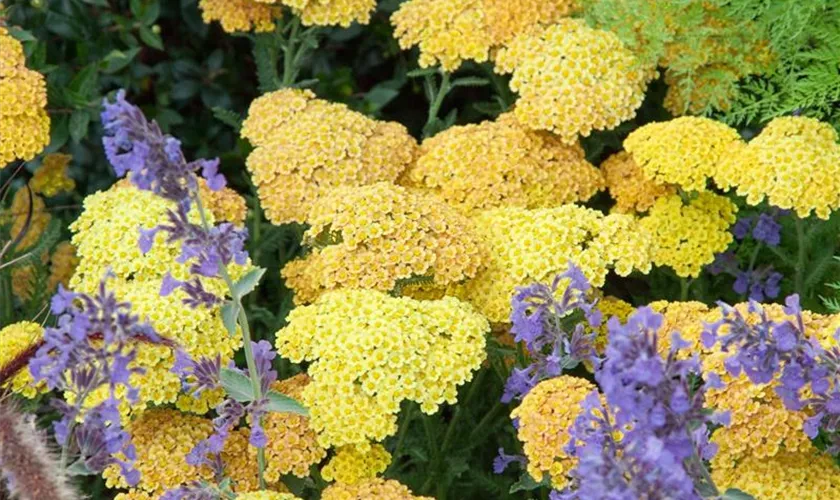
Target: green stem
x,y
65,447
242,319
488,417
408,416
436,97
289,54
685,284
434,451
801,242
6,297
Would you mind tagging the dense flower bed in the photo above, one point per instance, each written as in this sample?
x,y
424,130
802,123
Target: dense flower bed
x,y
240,258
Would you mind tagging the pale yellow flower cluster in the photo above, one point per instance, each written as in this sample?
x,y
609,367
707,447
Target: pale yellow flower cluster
x,y
368,352
241,15
501,163
374,237
529,246
15,339
573,79
306,147
448,32
24,123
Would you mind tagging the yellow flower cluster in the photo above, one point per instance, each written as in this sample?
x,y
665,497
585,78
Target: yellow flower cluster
x,y
686,151
528,246
686,318
788,475
353,464
368,352
240,15
266,495
383,234
226,205
63,264
686,235
545,416
24,124
307,146
794,163
629,187
449,32
292,445
381,489
30,230
106,237
51,178
14,340
163,438
330,12
610,307
501,163
573,79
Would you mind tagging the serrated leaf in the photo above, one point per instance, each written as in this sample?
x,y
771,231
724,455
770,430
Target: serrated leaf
x,y
246,284
470,81
417,73
281,403
736,494
236,385
151,38
228,117
527,483
230,312
79,122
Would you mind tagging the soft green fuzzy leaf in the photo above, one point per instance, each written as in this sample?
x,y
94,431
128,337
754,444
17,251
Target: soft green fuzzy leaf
x,y
229,118
79,122
79,468
237,385
736,494
417,73
470,81
281,403
528,483
246,284
230,312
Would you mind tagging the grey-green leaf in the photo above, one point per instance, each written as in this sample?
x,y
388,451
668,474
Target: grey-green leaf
x,y
79,122
247,283
527,483
284,404
237,385
230,312
736,494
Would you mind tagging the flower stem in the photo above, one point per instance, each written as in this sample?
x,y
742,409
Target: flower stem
x,y
242,319
685,284
436,95
801,243
289,56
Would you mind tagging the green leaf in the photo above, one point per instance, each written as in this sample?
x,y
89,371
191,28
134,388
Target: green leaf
x,y
117,60
79,468
230,312
246,284
185,89
85,81
228,117
79,122
281,403
417,73
21,35
470,81
528,483
736,494
378,97
151,38
265,56
237,385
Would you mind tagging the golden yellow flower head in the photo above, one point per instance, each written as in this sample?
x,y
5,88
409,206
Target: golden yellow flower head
x,y
292,445
790,474
307,146
794,163
266,495
330,12
381,489
226,205
134,495
63,264
449,32
23,281
610,307
573,79
686,318
630,188
24,124
353,464
545,416
501,163
163,438
240,15
16,339
30,222
368,352
51,178
686,151
376,236
686,235
529,246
